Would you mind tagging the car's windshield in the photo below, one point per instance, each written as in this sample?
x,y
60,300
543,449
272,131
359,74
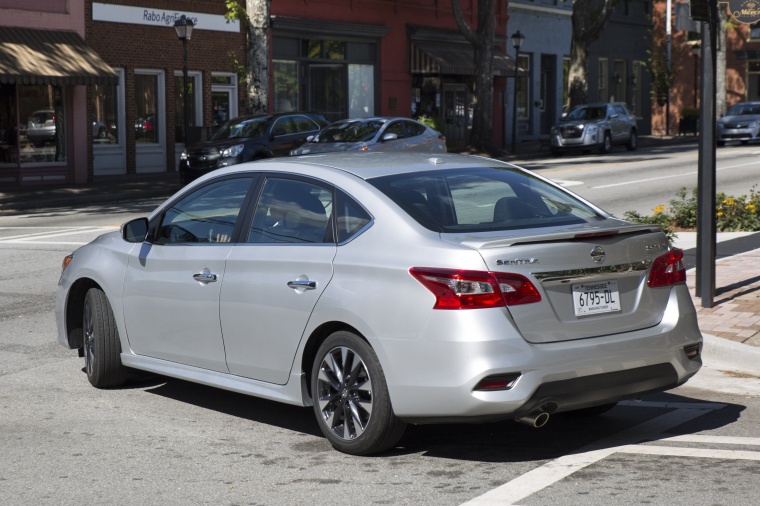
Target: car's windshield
x,y
242,127
587,113
744,109
350,131
483,200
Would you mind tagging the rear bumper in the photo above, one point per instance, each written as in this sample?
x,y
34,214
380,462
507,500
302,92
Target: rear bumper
x,y
567,375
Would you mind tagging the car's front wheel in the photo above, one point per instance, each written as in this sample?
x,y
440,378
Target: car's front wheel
x,y
102,349
633,142
351,399
606,144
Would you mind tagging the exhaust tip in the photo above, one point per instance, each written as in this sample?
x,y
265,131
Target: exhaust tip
x,y
692,351
536,419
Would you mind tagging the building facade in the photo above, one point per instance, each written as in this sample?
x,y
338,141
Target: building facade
x,y
143,112
45,69
354,58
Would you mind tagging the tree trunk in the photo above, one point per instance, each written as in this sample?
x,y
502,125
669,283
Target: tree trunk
x,y
589,19
257,78
720,68
482,40
578,77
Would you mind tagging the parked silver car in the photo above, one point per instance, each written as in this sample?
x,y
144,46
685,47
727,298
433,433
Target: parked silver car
x,y
595,126
384,289
375,134
40,127
740,123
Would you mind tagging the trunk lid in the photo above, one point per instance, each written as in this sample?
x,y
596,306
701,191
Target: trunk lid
x,y
593,281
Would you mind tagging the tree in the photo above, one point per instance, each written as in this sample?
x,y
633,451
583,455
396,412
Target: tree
x,y
589,19
482,40
255,19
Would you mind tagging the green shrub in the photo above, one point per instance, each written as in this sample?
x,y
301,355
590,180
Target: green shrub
x,y
690,113
433,123
732,214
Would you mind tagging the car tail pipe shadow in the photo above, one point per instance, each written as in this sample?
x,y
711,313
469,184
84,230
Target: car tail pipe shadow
x,y
539,416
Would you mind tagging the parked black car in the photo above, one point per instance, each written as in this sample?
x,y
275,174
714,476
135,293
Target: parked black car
x,y
249,138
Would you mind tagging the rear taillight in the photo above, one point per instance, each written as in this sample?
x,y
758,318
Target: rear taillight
x,y
461,289
668,269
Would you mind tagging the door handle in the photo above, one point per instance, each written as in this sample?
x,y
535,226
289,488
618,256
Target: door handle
x,y
302,283
205,277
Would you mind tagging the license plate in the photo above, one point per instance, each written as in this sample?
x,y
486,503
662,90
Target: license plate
x,y
597,297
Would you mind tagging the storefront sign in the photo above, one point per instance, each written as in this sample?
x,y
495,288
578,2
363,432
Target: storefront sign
x,y
745,11
160,17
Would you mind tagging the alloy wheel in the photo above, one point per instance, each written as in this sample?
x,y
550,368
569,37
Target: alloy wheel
x,y
344,393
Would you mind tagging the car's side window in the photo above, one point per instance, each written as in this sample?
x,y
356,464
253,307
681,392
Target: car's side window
x,y
305,124
414,128
208,215
351,217
282,126
397,128
292,211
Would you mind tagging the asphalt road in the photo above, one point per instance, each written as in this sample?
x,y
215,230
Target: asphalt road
x,y
164,441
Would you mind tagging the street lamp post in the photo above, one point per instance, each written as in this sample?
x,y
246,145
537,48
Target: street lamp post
x,y
695,50
184,28
517,40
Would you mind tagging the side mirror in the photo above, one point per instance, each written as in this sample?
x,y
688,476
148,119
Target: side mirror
x,y
135,230
390,137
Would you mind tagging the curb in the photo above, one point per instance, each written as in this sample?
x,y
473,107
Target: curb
x,y
722,354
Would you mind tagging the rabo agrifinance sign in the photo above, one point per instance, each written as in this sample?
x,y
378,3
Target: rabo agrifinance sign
x,y
160,17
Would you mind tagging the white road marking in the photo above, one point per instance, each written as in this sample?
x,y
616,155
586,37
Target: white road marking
x,y
567,183
674,451
622,442
671,176
43,237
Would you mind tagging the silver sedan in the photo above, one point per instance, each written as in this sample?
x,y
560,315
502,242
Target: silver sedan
x,y
375,134
386,289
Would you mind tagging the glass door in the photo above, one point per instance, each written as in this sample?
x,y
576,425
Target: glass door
x,y
327,90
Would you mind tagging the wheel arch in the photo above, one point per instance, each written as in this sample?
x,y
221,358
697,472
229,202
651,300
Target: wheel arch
x,y
317,337
74,311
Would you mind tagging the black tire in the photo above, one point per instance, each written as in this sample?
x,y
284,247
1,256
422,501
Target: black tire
x,y
557,152
591,412
633,141
102,348
744,143
606,144
721,143
351,400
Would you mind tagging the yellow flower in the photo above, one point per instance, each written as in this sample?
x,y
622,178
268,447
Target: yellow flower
x,y
720,213
659,209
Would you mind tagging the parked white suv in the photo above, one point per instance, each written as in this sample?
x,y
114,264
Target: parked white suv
x,y
595,126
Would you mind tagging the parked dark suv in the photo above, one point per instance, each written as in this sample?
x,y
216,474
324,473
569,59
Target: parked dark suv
x,y
249,138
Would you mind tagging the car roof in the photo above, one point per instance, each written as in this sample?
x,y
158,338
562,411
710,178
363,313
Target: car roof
x,y
377,164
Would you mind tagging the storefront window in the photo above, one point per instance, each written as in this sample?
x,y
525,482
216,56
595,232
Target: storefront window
x,y
146,105
285,86
43,135
361,91
105,114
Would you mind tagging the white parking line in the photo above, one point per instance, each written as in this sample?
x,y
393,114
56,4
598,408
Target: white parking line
x,y
671,176
53,232
622,442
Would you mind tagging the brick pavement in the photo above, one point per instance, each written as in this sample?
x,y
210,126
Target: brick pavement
x,y
736,311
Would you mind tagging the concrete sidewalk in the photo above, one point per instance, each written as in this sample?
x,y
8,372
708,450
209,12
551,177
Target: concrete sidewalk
x,y
731,328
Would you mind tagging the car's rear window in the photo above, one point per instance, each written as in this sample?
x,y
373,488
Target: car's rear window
x,y
483,199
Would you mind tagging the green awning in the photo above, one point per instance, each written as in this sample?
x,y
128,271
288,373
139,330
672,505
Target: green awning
x,y
29,56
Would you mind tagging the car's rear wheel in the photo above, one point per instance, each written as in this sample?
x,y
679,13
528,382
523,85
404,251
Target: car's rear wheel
x,y
633,141
606,144
351,399
102,348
